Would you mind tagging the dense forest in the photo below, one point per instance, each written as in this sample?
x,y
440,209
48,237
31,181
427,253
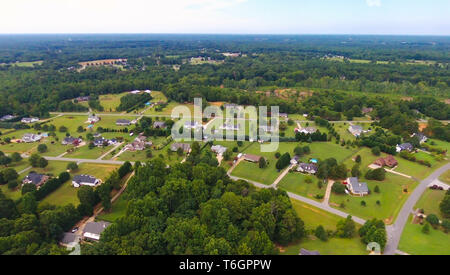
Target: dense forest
x,y
194,208
265,63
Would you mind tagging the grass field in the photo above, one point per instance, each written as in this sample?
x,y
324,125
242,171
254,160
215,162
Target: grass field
x,y
334,246
111,101
295,183
167,111
445,177
118,210
430,201
391,197
319,150
414,242
67,193
313,217
415,169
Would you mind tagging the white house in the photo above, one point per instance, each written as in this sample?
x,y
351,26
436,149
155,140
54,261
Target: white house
x,y
29,120
29,138
93,230
85,180
93,119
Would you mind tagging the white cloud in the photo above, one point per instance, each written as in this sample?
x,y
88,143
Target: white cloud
x,y
373,3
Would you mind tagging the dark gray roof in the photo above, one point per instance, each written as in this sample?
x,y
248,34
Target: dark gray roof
x,y
159,124
309,253
406,146
186,147
84,178
308,167
96,227
34,178
358,187
69,238
123,121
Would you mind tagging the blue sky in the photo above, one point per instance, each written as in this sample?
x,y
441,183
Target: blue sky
x,y
227,16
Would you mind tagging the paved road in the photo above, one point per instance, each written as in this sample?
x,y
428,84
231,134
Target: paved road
x,y
395,231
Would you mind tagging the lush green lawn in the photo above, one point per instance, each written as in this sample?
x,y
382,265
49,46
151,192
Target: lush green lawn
x,y
111,101
413,241
334,246
118,210
313,217
85,153
440,144
325,150
18,166
294,182
167,111
430,201
415,169
110,122
67,193
445,177
391,197
251,171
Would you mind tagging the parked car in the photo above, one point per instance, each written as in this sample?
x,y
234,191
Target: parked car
x,y
75,229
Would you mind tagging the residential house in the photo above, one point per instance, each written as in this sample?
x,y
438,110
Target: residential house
x,y
252,158
230,127
71,141
82,99
139,144
405,147
147,91
268,129
85,180
356,187
189,125
29,138
366,110
29,120
218,149
304,252
7,117
421,137
123,122
100,142
308,168
159,125
295,160
36,179
307,130
284,115
93,119
356,130
93,230
388,161
135,92
184,146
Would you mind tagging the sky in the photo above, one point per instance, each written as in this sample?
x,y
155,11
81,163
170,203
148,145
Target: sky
x,y
410,17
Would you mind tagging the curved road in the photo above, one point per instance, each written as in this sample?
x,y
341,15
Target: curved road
x,y
395,231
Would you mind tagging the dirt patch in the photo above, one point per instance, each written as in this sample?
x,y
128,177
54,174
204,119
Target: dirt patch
x,y
422,126
407,98
389,220
334,204
447,101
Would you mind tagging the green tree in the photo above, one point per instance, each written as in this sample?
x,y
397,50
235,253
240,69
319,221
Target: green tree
x,y
262,163
16,157
346,228
42,148
321,234
72,166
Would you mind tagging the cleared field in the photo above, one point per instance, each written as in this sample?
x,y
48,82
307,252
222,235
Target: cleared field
x,y
415,169
111,101
391,199
167,111
296,183
430,201
414,242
